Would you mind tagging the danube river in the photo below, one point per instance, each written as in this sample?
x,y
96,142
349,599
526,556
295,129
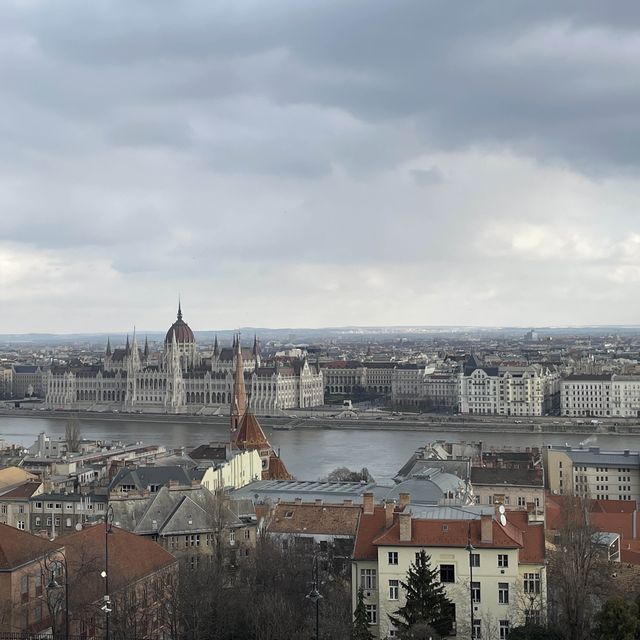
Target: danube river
x,y
309,453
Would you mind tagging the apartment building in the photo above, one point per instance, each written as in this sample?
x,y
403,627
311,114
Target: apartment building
x,y
508,563
509,391
22,581
592,473
609,395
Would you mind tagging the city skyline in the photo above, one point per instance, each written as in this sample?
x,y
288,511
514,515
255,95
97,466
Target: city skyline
x,y
328,165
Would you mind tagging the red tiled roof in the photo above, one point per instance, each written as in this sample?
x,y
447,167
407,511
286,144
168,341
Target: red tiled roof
x,y
432,533
533,548
517,534
289,517
276,469
250,434
369,528
131,558
19,547
25,491
614,516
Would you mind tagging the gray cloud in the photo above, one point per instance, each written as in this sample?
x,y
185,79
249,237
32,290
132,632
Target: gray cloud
x,y
310,160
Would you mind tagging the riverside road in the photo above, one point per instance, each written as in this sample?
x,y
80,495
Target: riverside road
x,y
313,446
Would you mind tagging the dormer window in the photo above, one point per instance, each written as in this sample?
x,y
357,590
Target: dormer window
x,y
288,514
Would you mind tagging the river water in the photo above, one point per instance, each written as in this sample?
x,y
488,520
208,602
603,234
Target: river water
x,y
310,454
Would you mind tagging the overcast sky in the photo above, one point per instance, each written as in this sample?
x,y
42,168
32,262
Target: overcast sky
x,y
287,163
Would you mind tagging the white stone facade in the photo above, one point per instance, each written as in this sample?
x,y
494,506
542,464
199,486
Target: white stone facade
x,y
182,380
601,396
528,391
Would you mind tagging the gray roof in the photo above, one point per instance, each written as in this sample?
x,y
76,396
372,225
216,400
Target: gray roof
x,y
273,490
172,512
419,467
471,512
421,491
25,368
594,457
143,477
509,477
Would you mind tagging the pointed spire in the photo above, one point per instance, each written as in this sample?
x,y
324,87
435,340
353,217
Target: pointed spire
x,y
179,309
216,349
146,346
255,344
127,348
108,351
239,399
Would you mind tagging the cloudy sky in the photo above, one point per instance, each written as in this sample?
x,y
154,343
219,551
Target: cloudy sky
x,y
290,163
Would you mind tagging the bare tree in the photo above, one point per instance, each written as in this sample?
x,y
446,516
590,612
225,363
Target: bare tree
x,y
72,434
578,572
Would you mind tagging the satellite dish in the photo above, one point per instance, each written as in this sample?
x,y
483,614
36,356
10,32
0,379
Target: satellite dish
x,y
503,519
501,509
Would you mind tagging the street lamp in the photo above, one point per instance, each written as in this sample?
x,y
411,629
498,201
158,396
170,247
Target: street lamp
x,y
470,549
314,595
53,561
108,530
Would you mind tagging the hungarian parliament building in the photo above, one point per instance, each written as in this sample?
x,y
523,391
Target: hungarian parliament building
x,y
181,379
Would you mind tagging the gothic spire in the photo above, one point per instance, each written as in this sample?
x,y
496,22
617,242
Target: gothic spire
x,y
127,348
239,398
179,309
108,351
146,346
216,349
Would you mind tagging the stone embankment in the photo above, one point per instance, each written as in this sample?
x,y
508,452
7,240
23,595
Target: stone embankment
x,y
326,418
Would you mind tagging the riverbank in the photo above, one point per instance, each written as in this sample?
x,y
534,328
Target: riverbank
x,y
406,423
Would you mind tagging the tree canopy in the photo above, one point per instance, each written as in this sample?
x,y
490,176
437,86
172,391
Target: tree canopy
x,y
426,601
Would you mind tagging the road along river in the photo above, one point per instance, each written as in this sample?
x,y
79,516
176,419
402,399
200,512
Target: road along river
x,y
314,448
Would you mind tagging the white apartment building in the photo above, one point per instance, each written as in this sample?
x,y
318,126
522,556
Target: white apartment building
x,y
608,395
512,391
507,561
592,473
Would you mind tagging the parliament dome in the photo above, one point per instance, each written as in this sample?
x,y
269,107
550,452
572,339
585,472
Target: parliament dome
x,y
181,330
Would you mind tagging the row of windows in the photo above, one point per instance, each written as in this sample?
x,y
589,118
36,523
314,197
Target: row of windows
x,y
447,571
503,625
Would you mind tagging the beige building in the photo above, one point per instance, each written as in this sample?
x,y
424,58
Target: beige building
x,y
14,504
509,574
516,489
592,473
22,581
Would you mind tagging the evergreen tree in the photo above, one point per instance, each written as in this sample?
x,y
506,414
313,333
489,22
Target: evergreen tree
x,y
426,602
617,620
360,629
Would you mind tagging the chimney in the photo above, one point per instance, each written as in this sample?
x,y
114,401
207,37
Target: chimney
x,y
173,483
347,502
405,499
195,484
405,526
367,503
389,507
486,529
298,500
318,502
